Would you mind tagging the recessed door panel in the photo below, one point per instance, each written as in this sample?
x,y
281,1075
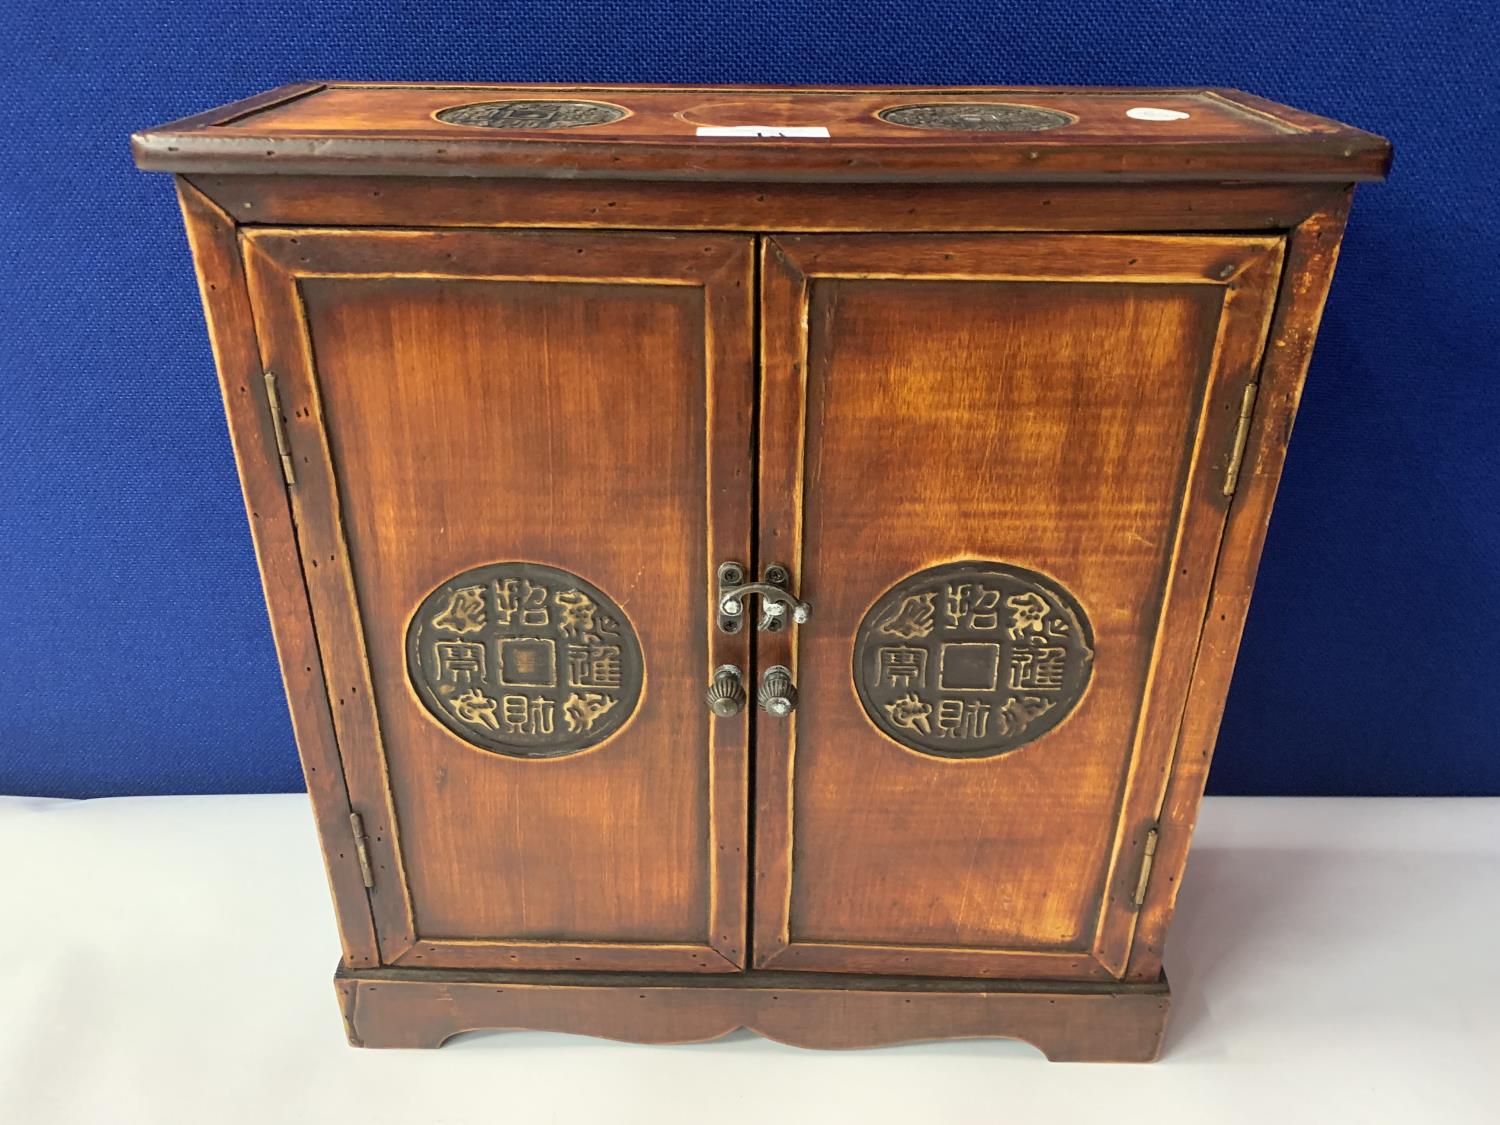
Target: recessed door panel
x,y
995,468
518,458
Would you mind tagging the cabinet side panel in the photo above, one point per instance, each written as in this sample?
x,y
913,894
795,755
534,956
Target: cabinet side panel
x,y
1312,252
231,330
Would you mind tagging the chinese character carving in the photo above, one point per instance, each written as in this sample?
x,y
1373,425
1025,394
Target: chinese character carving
x,y
911,712
525,659
1021,710
594,665
971,605
464,611
911,618
963,718
902,666
577,613
473,706
460,662
972,659
527,714
1038,668
1028,611
581,711
518,601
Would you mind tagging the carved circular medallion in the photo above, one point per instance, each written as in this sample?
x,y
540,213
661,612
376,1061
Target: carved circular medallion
x,y
541,114
976,117
524,659
972,659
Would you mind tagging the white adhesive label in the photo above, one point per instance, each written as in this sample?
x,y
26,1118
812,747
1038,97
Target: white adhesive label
x,y
1151,113
762,130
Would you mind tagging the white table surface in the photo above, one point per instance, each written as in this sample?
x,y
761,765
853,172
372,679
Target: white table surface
x,y
168,960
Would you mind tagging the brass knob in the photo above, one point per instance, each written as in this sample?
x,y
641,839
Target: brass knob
x,y
726,695
778,695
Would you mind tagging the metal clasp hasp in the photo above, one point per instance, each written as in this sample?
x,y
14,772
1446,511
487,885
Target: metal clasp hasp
x,y
777,603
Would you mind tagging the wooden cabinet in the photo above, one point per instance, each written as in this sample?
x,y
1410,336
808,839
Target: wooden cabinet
x,y
728,580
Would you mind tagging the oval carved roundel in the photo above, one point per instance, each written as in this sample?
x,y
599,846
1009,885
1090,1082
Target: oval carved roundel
x,y
972,659
540,114
524,659
976,117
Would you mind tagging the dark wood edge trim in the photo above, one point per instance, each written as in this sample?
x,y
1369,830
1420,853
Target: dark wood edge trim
x,y
781,415
758,208
729,310
1072,1022
232,111
347,991
1312,253
290,91
282,247
274,295
1306,157
754,979
1258,272
753,87
462,954
213,238
829,253
1304,121
926,962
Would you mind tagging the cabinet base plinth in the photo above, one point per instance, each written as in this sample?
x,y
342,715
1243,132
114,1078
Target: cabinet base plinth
x,y
1066,1021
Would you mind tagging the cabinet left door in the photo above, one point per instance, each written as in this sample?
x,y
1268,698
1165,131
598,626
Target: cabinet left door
x,y
516,459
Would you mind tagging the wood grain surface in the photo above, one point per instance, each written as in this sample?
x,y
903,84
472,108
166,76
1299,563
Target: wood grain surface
x,y
572,400
1067,1023
761,206
231,328
1061,403
355,128
631,353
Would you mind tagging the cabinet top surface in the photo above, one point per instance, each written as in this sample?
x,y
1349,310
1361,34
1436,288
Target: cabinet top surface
x,y
764,133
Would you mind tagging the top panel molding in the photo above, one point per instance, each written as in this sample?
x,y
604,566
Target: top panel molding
x,y
914,134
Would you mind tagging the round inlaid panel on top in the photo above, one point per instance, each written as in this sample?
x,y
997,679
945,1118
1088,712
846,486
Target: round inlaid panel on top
x,y
976,117
524,659
538,114
972,659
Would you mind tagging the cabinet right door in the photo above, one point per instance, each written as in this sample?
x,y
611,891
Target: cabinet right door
x,y
998,469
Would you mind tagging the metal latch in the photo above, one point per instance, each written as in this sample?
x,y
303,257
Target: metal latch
x,y
777,603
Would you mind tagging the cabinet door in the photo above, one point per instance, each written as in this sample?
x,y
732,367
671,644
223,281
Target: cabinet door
x,y
996,468
517,459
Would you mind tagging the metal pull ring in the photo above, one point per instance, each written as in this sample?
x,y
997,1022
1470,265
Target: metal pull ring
x,y
777,695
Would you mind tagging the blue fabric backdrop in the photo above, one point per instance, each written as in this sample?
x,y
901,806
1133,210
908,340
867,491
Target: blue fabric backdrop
x,y
136,656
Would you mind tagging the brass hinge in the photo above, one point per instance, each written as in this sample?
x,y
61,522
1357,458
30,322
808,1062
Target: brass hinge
x,y
278,426
362,848
1241,439
1147,859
